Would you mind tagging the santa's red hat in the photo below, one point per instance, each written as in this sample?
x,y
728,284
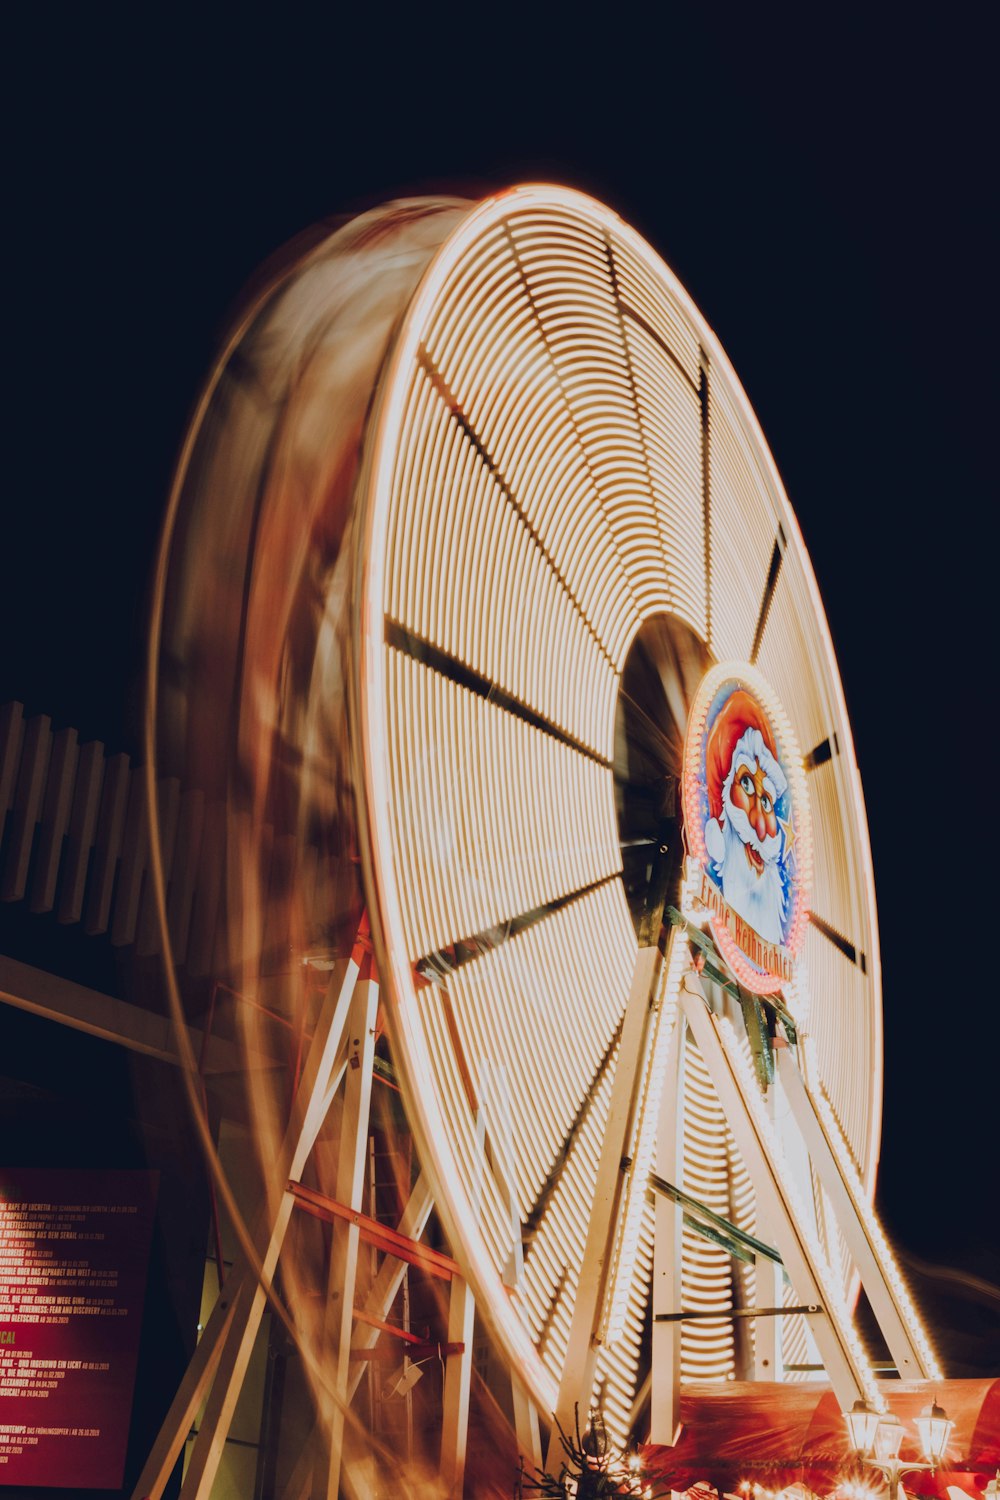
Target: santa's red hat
x,y
739,713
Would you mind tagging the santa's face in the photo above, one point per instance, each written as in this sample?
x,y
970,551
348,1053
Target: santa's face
x,y
752,794
749,804
751,878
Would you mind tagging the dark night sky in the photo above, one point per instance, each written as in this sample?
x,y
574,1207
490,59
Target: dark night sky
x,y
821,187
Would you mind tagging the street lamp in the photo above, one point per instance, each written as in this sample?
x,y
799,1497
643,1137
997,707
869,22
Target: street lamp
x,y
877,1437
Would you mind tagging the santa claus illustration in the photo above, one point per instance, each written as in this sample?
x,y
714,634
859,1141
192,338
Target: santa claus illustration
x,y
743,836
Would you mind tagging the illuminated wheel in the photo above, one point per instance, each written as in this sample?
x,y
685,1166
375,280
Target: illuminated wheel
x,y
475,501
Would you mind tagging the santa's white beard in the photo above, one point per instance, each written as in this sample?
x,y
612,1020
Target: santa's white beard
x,y
758,898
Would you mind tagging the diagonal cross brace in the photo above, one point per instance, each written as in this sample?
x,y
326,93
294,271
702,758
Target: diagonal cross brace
x,y
868,1249
812,1279
224,1332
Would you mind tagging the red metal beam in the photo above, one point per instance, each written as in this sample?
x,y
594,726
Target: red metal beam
x,y
373,1233
397,1333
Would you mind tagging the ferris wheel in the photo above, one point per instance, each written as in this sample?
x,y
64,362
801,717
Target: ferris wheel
x,y
475,545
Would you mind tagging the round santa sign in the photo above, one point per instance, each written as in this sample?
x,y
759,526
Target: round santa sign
x,y
746,816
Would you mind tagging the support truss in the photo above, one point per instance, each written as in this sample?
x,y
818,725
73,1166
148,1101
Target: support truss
x,y
340,1060
745,1100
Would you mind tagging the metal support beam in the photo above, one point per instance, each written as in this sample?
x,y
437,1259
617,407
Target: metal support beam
x,y
665,1366
768,1287
577,1383
339,1324
873,1261
811,1279
688,1314
727,1230
412,1223
116,1021
226,1344
715,966
371,1232
457,1385
190,1395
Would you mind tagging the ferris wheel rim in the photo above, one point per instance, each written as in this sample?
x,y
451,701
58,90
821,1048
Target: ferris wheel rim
x,y
367,698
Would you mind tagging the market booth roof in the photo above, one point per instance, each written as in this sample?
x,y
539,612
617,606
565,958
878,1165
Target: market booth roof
x,y
777,1435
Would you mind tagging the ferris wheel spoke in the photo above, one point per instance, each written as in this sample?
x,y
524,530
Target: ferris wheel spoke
x,y
634,316
478,444
844,945
609,1184
705,405
774,569
588,1098
436,966
821,753
556,1296
447,665
636,406
531,291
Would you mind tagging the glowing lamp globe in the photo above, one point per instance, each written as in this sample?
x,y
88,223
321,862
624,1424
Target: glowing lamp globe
x,y
862,1425
934,1426
888,1438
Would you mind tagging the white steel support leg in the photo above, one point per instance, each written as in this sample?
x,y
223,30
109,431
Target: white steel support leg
x,y
234,1342
812,1280
577,1383
768,1285
873,1261
347,1237
190,1395
665,1366
457,1386
495,1115
796,1154
769,1290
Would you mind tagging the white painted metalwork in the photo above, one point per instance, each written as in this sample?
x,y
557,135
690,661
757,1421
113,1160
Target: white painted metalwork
x,y
560,450
221,1356
351,1149
869,1250
803,1257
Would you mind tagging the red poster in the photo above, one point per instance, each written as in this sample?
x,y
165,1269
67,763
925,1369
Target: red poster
x,y
74,1250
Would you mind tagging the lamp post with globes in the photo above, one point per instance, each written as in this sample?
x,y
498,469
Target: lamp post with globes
x,y
877,1436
